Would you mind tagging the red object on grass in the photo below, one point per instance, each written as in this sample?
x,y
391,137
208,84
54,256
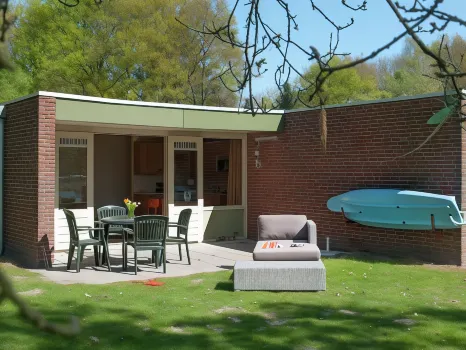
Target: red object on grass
x,y
153,283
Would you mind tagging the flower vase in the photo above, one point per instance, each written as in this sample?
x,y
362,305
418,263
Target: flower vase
x,y
131,212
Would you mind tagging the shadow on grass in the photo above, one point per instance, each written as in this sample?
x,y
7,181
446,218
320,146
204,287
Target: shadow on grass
x,y
225,286
271,325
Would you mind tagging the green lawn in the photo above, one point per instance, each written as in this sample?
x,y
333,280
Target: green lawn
x,y
202,311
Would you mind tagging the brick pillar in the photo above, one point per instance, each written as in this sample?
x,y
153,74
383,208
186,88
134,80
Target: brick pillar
x,y
29,175
46,178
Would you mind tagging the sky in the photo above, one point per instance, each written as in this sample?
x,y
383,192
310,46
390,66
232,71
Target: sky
x,y
372,29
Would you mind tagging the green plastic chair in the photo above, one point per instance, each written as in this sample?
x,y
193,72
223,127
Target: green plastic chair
x,y
81,244
149,233
113,230
181,233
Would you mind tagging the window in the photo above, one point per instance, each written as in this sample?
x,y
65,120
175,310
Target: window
x,y
222,164
222,172
185,178
72,177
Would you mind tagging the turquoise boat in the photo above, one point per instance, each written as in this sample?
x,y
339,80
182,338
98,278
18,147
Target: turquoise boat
x,y
398,209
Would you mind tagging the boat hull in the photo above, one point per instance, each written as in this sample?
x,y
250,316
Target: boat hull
x,y
398,209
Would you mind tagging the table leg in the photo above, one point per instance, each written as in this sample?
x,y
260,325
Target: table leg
x,y
104,253
124,251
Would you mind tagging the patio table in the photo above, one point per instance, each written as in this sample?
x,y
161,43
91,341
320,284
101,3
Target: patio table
x,y
123,220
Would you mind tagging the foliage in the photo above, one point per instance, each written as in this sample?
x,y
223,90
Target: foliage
x,y
123,49
409,73
287,99
341,87
202,311
205,58
14,84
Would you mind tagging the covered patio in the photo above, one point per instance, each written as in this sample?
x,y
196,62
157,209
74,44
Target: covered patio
x,y
205,257
91,152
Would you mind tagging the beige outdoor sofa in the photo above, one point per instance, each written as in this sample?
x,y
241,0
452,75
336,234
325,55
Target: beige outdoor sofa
x,y
284,268
286,230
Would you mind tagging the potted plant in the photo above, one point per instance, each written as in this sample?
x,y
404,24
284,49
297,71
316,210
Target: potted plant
x,y
131,207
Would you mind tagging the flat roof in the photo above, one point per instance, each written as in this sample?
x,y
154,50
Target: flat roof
x,y
73,109
369,102
60,95
170,115
137,103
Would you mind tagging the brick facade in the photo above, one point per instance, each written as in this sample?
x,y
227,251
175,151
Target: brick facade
x,y
29,180
297,177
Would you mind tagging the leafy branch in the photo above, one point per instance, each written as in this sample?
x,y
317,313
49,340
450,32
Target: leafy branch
x,y
7,292
260,38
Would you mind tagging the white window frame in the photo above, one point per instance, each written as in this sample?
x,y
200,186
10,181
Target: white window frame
x,y
84,217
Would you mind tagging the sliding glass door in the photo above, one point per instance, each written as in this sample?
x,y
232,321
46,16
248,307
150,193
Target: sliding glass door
x,y
185,181
73,183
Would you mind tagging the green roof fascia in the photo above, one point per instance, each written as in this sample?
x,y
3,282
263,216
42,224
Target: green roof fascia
x,y
125,114
96,112
234,121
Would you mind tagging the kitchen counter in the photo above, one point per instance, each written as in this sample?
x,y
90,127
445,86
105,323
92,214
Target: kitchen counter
x,y
216,198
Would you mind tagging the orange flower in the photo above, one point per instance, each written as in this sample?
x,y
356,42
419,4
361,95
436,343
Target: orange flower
x,y
126,200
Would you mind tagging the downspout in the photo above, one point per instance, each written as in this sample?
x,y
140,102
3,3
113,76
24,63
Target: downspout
x,y
2,121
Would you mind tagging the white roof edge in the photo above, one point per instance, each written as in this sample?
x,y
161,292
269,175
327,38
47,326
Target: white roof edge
x,y
369,102
60,95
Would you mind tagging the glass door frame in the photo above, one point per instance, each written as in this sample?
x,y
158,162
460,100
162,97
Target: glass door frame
x,y
170,179
84,217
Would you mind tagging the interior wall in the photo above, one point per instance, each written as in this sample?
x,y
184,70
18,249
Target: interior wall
x,y
212,178
112,169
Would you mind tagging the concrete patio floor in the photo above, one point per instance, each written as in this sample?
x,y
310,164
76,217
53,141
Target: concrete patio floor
x,y
205,257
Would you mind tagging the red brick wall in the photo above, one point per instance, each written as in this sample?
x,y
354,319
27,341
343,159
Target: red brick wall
x,y
29,175
185,167
212,178
297,177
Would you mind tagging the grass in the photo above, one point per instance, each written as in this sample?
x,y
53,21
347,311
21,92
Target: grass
x,y
185,313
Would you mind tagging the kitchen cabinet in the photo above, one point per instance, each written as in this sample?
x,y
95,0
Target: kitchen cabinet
x,y
154,158
148,158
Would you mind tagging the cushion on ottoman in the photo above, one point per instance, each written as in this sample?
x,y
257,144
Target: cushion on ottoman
x,y
309,252
282,227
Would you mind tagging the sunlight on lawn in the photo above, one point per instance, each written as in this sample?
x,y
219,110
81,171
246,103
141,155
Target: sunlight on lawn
x,y
370,305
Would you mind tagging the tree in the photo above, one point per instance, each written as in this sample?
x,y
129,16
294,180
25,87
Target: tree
x,y
14,84
287,98
204,57
262,39
107,51
409,73
124,49
345,86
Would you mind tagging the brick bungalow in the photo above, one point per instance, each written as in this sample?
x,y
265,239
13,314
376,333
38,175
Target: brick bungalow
x,y
83,152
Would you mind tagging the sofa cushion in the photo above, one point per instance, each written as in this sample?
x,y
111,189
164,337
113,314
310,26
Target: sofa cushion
x,y
282,227
309,252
